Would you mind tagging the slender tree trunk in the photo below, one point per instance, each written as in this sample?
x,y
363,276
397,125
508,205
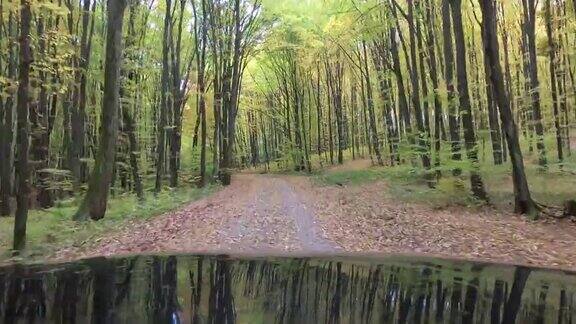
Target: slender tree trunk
x,y
402,100
353,107
7,131
530,33
464,96
128,122
380,54
201,36
95,202
78,111
453,118
553,82
203,140
320,134
523,200
508,77
338,109
565,71
22,140
329,102
415,86
494,125
179,86
370,100
164,105
438,114
39,119
365,139
130,130
425,110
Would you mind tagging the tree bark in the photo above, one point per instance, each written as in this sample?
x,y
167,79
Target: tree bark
x,y
465,106
95,202
164,104
22,140
529,28
494,125
438,114
553,85
201,35
40,120
402,100
523,200
130,130
453,118
375,142
7,131
78,111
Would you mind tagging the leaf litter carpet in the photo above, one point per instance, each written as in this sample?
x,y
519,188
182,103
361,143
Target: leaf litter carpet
x,y
279,215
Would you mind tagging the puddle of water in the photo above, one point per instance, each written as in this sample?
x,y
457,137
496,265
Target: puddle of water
x,y
207,289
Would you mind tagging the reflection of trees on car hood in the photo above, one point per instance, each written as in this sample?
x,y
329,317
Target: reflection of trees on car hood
x,y
224,290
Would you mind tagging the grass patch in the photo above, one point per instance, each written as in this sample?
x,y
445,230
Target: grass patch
x,y
407,184
53,229
351,177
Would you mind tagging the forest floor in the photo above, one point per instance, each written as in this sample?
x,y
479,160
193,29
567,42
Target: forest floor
x,y
284,214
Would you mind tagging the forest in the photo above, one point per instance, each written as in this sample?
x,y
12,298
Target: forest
x,y
138,98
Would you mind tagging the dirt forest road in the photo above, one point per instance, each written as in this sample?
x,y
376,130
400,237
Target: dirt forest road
x,y
279,215
256,214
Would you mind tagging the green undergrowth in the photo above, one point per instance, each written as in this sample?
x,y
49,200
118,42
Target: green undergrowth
x,y
405,183
53,229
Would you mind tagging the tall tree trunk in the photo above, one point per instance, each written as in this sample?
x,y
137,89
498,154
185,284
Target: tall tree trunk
x,y
339,110
7,130
95,202
565,72
402,100
523,200
179,86
78,111
329,102
319,128
128,122
380,55
201,35
553,85
464,96
438,114
130,130
425,134
453,118
508,77
494,125
39,118
415,87
375,142
529,28
22,140
164,104
203,139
